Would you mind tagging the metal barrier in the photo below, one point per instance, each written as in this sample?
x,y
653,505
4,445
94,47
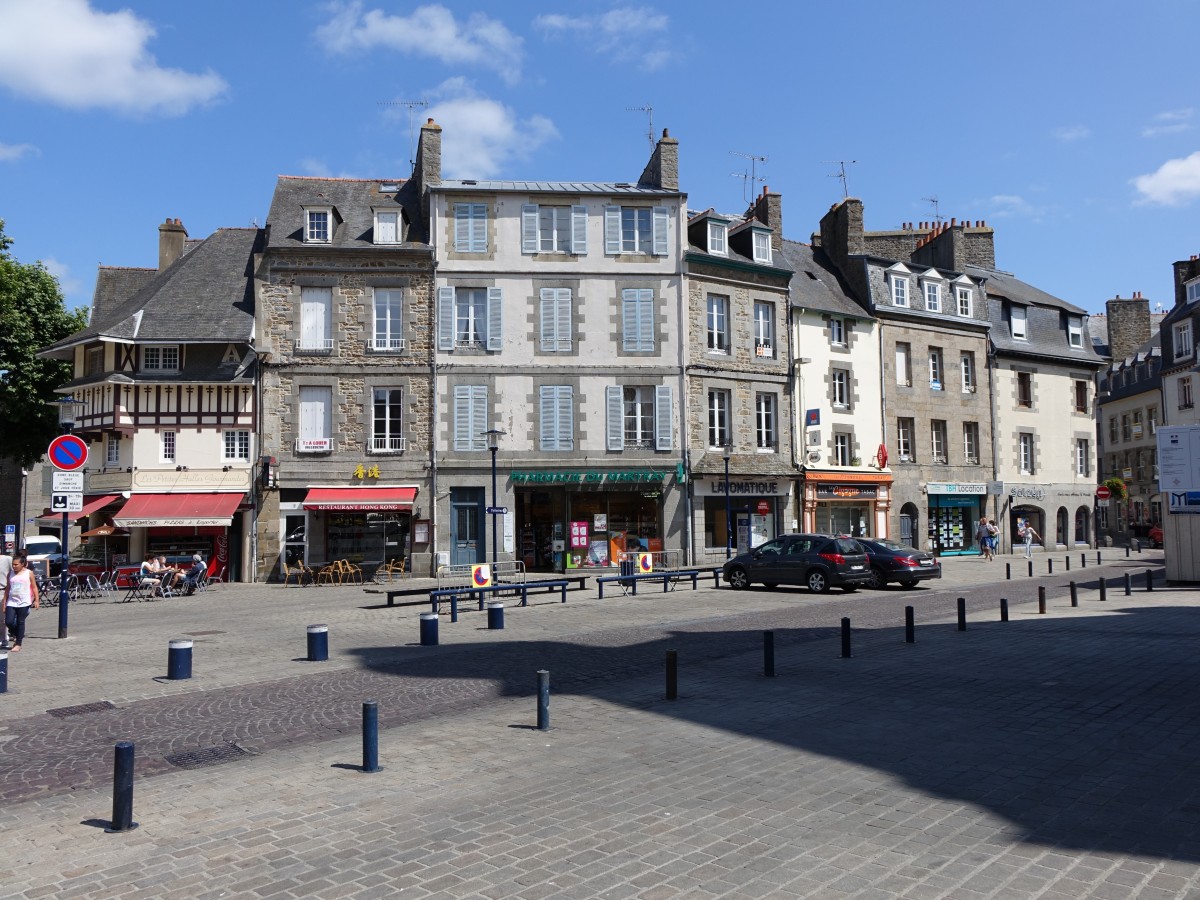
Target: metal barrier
x,y
509,571
661,559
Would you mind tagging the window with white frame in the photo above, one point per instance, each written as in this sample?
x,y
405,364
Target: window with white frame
x,y
316,319
637,320
1081,457
317,226
937,440
762,247
837,331
557,430
718,324
112,454
553,229
470,416
1081,395
166,446
718,238
1183,340
843,448
971,443
839,381
764,328
718,419
1193,291
965,301
1152,419
555,328
1025,389
1126,428
1112,430
899,286
470,228
236,446
389,319
387,420
936,381
765,434
967,368
639,417
1017,322
1025,445
1075,332
903,363
933,295
635,229
905,429
470,318
387,227
316,409
1185,392
163,358
93,361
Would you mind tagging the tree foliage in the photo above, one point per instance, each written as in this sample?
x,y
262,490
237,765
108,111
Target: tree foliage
x,y
32,316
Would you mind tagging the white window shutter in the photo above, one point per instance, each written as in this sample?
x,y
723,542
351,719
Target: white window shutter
x,y
549,323
563,326
612,229
462,227
529,228
566,418
579,230
495,315
462,417
660,231
614,402
479,417
445,328
547,417
663,422
629,324
645,305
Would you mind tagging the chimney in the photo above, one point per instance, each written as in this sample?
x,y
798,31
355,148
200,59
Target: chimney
x,y
768,209
1128,324
428,171
171,238
662,171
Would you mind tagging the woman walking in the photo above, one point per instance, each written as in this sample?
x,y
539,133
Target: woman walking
x,y
984,536
20,595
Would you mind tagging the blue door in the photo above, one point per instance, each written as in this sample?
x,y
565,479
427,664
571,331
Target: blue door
x,y
466,526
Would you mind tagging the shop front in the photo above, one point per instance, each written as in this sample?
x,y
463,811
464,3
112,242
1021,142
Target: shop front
x,y
750,513
368,525
179,525
953,513
851,503
586,519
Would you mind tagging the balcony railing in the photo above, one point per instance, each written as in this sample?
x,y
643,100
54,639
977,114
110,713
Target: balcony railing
x,y
320,346
387,444
386,345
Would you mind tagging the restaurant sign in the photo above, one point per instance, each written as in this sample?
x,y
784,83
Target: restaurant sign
x,y
847,491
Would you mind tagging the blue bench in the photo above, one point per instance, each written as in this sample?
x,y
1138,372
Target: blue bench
x,y
629,583
522,588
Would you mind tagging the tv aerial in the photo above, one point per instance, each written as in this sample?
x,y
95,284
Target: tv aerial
x,y
749,180
411,104
841,173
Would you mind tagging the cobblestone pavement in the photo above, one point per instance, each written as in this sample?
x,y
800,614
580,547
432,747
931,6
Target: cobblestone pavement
x,y
1047,756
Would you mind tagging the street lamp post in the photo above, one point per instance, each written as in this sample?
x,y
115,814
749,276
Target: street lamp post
x,y
493,444
726,452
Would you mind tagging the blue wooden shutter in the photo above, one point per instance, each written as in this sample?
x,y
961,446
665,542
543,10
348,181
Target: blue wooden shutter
x,y
579,230
563,314
566,417
549,323
529,228
612,229
462,416
445,326
660,231
462,227
629,325
547,418
614,402
664,425
495,316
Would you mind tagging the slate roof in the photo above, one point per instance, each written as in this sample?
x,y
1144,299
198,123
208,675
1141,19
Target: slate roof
x,y
699,251
354,201
815,281
115,285
206,296
556,187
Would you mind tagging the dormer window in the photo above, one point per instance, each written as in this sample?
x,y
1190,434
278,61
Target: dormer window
x,y
318,227
1193,291
897,277
387,226
164,358
931,285
717,238
964,297
1017,321
762,247
1075,332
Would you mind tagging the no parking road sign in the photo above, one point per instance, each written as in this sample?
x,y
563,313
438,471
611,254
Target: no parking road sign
x,y
68,453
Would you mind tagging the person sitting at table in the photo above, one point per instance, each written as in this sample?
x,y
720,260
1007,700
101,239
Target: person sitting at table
x,y
170,575
191,579
148,576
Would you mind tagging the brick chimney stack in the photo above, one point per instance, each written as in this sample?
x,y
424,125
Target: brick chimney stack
x,y
1128,324
662,171
171,238
768,209
428,171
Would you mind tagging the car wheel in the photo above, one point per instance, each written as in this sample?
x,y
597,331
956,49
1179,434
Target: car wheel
x,y
877,579
909,583
818,582
738,579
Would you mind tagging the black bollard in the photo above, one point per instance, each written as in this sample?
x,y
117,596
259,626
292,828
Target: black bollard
x,y
1074,594
179,659
1008,571
429,629
1067,562
769,654
1097,557
1041,599
1103,589
495,610
1083,560
1149,580
4,671
122,818
1049,567
910,635
318,643
1003,609
1031,568
454,607
1137,547
962,613
371,736
845,638
1128,583
672,674
543,703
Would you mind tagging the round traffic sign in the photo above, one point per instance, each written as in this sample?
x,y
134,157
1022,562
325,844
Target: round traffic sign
x,y
1103,493
68,453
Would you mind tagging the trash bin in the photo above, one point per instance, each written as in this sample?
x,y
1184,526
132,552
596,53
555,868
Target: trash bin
x,y
628,567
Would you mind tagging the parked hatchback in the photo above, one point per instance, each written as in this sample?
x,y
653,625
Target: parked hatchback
x,y
897,562
817,561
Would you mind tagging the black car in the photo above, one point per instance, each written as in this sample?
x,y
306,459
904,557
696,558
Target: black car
x,y
897,562
818,561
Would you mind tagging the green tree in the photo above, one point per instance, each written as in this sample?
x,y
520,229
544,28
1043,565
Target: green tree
x,y
32,316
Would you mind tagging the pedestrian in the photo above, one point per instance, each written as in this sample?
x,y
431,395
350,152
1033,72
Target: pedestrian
x,y
20,594
984,537
5,573
1027,534
993,537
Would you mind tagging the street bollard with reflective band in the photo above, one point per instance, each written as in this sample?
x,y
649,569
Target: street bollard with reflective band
x,y
1128,583
495,609
1003,609
370,713
1103,590
845,638
1041,599
1074,594
429,629
179,659
3,671
769,654
318,643
122,818
962,613
1149,580
672,674
910,632
543,703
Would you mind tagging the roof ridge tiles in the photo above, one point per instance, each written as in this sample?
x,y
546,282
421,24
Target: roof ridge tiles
x,y
332,178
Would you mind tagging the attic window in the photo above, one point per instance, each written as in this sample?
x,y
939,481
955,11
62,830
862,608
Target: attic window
x,y
389,187
317,227
716,238
762,247
387,227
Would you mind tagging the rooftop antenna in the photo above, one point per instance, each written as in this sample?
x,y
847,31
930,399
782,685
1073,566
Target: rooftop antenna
x,y
841,173
749,181
411,104
649,111
937,216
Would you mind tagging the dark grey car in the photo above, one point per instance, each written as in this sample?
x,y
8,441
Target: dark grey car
x,y
817,561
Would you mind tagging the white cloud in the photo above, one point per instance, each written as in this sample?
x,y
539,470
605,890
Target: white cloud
x,y
69,54
481,136
431,31
1007,205
1069,133
67,283
1174,183
1172,121
13,152
623,34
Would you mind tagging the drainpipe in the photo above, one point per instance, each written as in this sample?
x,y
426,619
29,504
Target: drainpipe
x,y
997,508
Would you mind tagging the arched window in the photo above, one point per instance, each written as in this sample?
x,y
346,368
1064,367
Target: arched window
x,y
1060,536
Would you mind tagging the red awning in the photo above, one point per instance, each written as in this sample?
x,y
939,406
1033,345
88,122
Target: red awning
x,y
364,498
90,505
167,510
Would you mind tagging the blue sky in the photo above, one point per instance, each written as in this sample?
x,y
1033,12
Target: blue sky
x,y
1073,128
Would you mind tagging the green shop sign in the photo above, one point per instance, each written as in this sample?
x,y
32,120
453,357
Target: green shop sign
x,y
642,477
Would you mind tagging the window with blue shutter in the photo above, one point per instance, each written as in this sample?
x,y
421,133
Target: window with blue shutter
x,y
557,417
555,320
579,230
495,320
445,324
470,227
663,418
529,228
637,325
470,416
615,424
